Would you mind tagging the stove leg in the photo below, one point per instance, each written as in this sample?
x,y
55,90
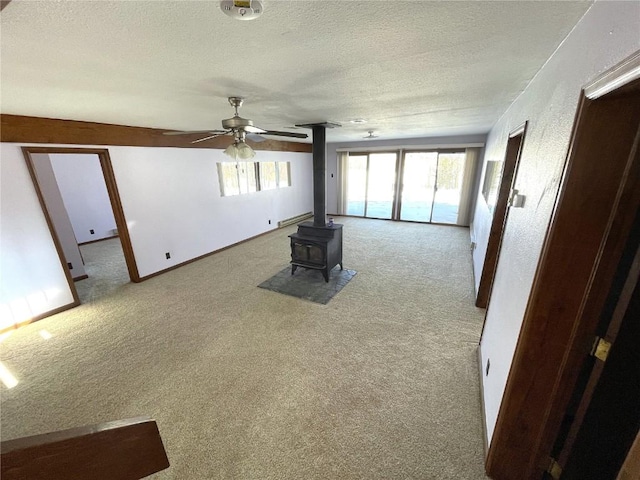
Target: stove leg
x,y
341,266
293,269
325,274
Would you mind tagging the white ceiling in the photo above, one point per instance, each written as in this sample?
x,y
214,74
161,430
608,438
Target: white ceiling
x,y
410,68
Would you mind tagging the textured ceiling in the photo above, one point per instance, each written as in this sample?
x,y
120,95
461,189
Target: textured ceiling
x,y
410,68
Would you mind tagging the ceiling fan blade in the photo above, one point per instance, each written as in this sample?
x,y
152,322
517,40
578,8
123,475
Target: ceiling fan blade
x,y
193,132
209,137
238,127
285,134
252,129
254,137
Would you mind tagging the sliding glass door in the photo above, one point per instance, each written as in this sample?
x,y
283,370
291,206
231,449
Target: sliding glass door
x,y
381,185
449,187
431,189
418,186
371,185
432,186
356,185
451,170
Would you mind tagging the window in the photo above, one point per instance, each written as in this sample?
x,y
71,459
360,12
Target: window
x,y
228,175
239,178
284,174
274,175
247,177
268,179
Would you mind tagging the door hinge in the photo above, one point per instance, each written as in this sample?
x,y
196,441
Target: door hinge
x,y
554,469
600,348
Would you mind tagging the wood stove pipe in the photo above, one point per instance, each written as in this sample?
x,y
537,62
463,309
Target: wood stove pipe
x,y
319,148
319,175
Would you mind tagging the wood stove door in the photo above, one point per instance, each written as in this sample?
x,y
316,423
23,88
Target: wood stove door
x,y
308,254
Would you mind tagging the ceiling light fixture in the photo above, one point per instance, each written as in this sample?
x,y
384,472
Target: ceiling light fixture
x,y
358,120
242,9
239,149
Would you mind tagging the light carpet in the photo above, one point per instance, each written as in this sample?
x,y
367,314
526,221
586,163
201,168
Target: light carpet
x,y
105,267
380,383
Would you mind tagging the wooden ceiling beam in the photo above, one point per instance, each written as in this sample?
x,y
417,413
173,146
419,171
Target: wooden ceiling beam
x,y
24,129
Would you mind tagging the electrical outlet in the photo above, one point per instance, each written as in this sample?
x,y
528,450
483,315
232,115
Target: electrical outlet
x,y
70,265
332,175
91,232
167,255
488,367
269,222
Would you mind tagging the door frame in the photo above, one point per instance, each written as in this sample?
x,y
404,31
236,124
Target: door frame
x,y
515,144
572,280
116,205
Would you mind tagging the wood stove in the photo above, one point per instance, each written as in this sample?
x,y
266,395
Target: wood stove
x,y
317,245
314,247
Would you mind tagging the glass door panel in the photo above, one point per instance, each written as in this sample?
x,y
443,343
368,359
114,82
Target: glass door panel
x,y
356,184
418,181
430,190
381,185
449,187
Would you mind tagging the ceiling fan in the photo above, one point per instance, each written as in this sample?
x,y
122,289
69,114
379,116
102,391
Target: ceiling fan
x,y
241,129
371,135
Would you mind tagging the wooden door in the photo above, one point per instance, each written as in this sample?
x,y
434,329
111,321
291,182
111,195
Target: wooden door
x,y
603,416
592,222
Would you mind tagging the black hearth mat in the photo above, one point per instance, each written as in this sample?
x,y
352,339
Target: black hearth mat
x,y
309,284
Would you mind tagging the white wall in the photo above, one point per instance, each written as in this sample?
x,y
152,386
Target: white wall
x,y
408,143
58,213
480,229
607,34
84,191
172,203
32,280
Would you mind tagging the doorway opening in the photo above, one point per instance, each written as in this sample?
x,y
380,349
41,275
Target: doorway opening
x,y
79,198
498,192
105,268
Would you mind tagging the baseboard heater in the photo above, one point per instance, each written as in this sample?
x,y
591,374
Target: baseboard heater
x,y
294,220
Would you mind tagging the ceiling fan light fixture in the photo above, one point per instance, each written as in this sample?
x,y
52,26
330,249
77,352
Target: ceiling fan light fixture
x,y
232,151
245,152
239,150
